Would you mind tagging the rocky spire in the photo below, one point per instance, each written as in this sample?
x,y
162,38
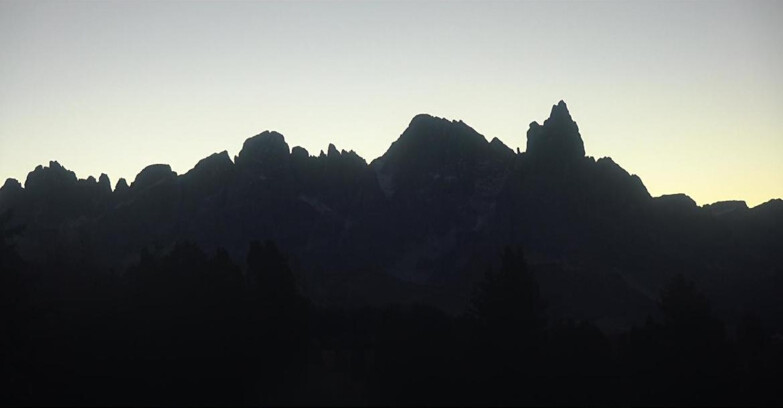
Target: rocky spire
x,y
558,139
332,151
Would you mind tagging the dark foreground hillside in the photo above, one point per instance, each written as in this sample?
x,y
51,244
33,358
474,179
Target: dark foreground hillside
x,y
451,270
183,327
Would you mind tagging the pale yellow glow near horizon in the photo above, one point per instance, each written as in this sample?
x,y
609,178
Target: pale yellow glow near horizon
x,y
686,95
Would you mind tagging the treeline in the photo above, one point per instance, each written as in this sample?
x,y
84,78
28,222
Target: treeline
x,y
182,327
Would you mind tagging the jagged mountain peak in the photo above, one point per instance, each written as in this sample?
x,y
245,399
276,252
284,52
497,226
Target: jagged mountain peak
x,y
558,139
333,154
560,110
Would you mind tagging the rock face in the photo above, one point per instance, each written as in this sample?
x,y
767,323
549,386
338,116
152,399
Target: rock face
x,y
432,214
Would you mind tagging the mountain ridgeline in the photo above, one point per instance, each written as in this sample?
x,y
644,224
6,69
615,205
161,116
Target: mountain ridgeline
x,y
421,223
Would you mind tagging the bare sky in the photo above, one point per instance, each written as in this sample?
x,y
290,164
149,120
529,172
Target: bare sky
x,y
688,95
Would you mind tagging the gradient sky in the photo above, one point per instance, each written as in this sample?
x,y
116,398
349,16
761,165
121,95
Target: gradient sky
x,y
688,95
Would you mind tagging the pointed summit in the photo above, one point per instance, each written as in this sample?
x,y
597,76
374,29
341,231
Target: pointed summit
x,y
560,111
558,139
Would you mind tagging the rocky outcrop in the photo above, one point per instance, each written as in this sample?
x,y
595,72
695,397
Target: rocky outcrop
x,y
152,175
264,155
676,202
46,178
723,208
299,154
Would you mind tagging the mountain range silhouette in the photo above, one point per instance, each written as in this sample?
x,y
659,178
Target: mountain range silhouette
x,y
420,223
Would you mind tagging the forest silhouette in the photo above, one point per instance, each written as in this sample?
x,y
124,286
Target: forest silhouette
x,y
450,271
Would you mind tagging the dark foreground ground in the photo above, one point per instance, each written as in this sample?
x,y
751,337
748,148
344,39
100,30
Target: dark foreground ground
x,y
187,328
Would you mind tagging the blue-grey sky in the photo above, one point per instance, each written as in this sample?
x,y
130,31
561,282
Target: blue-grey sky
x,y
688,95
